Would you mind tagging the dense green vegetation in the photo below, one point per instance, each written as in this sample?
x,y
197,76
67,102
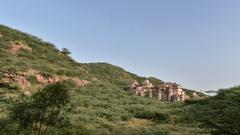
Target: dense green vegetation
x,y
106,105
105,109
38,113
221,114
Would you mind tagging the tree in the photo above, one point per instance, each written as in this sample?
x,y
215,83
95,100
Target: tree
x,y
42,110
65,51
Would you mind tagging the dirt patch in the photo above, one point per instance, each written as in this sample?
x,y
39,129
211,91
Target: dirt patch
x,y
1,35
79,82
138,123
17,46
31,72
10,95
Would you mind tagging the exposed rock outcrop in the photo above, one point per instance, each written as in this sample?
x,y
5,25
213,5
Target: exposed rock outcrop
x,y
43,80
21,79
17,78
17,46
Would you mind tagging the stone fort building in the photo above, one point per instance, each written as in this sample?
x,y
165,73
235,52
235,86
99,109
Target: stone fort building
x,y
165,92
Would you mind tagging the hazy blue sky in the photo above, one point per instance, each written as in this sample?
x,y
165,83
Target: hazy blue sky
x,y
192,42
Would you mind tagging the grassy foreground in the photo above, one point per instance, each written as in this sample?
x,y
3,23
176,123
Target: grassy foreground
x,y
104,109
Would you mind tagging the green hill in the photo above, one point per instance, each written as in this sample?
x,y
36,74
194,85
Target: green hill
x,y
46,59
221,113
101,101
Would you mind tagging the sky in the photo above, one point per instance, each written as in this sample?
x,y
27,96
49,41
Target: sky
x,y
192,42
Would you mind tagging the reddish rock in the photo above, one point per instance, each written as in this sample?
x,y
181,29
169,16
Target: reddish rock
x,y
41,79
20,79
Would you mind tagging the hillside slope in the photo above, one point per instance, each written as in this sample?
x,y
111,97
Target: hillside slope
x,y
22,53
101,103
221,113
